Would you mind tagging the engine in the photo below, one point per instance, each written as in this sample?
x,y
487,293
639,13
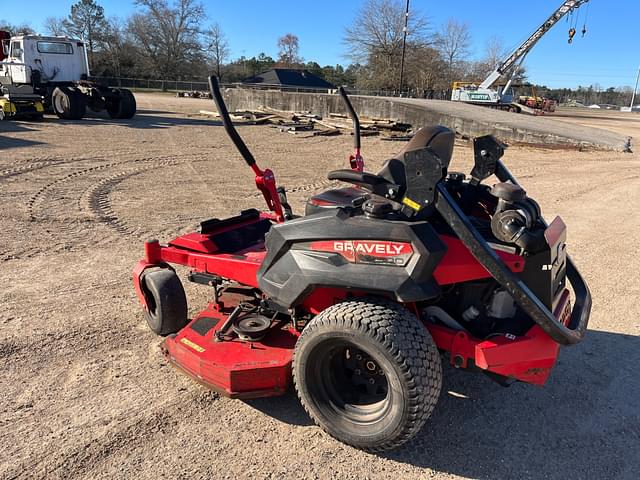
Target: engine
x,y
516,218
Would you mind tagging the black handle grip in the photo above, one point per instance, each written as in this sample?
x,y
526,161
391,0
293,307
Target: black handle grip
x,y
214,86
357,178
353,115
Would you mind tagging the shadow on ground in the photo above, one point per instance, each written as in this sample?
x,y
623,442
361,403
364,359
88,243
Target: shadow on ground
x,y
585,423
145,120
13,126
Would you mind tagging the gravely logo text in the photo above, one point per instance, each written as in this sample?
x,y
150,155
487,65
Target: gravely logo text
x,y
367,251
371,248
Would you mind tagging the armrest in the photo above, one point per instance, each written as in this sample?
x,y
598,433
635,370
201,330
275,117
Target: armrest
x,y
363,179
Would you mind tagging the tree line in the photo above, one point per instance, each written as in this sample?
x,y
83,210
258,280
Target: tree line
x,y
174,40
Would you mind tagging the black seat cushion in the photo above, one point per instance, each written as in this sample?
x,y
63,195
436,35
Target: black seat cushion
x,y
337,197
438,138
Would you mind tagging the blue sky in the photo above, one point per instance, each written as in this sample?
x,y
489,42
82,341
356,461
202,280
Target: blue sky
x,y
609,55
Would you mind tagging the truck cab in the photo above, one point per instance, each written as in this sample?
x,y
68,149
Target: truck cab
x,y
33,59
57,69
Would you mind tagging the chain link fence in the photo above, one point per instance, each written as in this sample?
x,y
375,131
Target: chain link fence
x,y
201,85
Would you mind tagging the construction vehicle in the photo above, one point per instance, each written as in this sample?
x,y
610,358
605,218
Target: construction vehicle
x,y
358,301
20,102
484,94
540,105
57,69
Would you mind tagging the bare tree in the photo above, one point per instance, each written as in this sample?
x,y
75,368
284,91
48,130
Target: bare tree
x,y
16,29
117,52
217,47
168,34
494,53
454,42
289,46
375,39
55,26
379,27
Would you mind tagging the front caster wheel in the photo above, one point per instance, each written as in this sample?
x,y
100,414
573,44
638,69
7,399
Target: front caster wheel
x,y
368,373
166,301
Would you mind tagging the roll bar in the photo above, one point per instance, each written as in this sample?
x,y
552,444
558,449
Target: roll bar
x,y
265,179
357,162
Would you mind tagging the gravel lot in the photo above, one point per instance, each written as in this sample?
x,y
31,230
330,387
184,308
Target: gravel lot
x,y
85,393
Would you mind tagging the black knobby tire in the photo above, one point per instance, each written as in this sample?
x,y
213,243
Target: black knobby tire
x,y
68,103
368,373
124,107
167,302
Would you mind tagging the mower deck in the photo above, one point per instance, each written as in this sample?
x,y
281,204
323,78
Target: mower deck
x,y
241,369
232,367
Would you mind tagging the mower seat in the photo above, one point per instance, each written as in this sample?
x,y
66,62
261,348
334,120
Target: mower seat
x,y
337,197
438,138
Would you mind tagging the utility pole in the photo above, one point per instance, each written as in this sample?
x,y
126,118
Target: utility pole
x,y
633,97
404,45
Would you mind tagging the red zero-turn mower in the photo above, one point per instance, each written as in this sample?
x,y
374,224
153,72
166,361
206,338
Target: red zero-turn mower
x,y
358,300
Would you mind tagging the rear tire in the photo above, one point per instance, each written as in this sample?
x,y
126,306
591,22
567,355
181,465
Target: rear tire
x,y
166,301
368,373
68,103
124,107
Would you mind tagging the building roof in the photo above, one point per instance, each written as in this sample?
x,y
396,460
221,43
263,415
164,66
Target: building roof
x,y
289,77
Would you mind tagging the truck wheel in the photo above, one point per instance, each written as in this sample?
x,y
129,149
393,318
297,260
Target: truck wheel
x,y
124,107
68,104
166,300
368,372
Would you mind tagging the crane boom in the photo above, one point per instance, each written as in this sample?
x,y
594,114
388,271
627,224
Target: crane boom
x,y
566,7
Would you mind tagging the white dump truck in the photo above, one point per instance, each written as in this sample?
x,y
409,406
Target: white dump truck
x,y
56,68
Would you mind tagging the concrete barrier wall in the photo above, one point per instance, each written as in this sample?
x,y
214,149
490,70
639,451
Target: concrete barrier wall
x,y
466,120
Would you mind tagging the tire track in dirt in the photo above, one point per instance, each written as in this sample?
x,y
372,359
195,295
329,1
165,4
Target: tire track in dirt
x,y
39,163
306,187
56,206
99,202
29,167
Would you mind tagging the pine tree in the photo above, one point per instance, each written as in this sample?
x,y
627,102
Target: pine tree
x,y
88,22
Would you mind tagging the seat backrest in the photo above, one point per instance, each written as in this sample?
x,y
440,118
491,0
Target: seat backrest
x,y
438,138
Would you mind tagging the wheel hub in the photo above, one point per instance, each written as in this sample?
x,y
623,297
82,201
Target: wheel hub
x,y
364,374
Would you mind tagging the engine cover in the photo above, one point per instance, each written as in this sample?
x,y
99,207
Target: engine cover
x,y
344,249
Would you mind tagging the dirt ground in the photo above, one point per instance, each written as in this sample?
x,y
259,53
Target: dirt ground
x,y
625,123
85,393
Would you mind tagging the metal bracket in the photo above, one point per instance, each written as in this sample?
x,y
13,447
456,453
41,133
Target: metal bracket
x,y
486,152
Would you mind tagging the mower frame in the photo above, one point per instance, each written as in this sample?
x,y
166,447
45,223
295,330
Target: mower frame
x,y
529,357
